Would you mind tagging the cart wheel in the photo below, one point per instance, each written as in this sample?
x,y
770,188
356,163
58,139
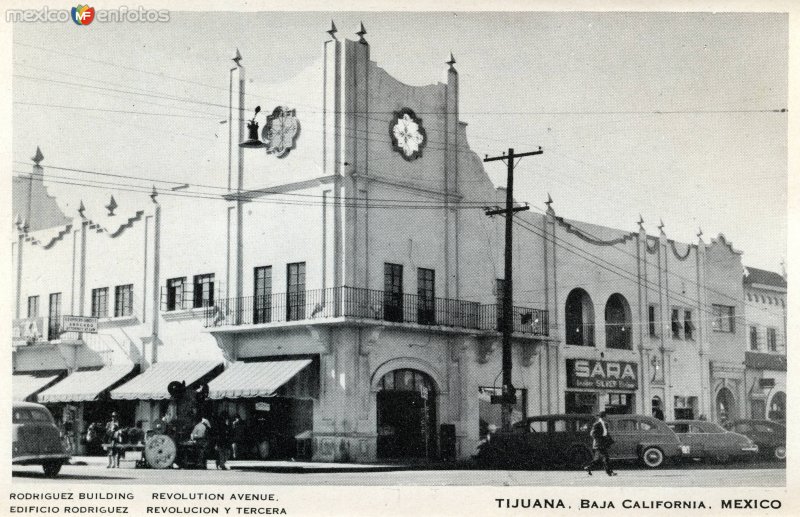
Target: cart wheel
x,y
160,451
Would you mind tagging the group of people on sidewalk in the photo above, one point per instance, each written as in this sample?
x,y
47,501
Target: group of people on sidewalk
x,y
226,436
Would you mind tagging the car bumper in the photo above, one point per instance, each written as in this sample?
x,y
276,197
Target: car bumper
x,y
39,459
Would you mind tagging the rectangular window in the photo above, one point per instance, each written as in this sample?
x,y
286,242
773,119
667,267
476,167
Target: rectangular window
x,y
33,306
426,294
54,315
295,291
688,325
772,340
123,300
203,291
175,288
100,302
392,292
722,318
651,321
262,294
753,337
676,323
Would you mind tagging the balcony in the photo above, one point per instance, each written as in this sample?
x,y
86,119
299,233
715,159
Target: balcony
x,y
368,304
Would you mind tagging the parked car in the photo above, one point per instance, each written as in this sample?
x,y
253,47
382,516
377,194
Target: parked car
x,y
708,440
36,439
769,436
564,441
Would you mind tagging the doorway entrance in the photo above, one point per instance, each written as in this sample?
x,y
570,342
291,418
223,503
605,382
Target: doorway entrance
x,y
726,405
406,403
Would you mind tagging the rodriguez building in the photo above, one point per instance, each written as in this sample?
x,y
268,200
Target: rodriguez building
x,y
345,290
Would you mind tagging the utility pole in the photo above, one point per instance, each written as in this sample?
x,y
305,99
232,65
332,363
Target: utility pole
x,y
509,397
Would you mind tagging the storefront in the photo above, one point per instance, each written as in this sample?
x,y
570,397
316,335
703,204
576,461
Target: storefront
x,y
594,385
82,398
274,400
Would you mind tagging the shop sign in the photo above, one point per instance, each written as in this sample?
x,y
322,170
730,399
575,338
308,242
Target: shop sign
x,y
262,406
589,373
79,324
28,329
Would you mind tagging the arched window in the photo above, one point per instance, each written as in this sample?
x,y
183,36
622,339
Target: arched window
x,y
726,405
777,407
618,322
579,316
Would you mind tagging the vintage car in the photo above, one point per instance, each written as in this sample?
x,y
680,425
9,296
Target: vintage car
x,y
707,440
36,439
769,436
564,441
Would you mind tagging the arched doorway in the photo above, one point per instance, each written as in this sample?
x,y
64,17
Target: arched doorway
x,y
726,405
777,407
579,318
406,403
618,322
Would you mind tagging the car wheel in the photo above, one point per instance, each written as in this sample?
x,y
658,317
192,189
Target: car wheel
x,y
579,457
779,452
51,468
652,457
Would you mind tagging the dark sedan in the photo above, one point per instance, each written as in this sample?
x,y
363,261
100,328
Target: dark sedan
x,y
707,440
564,441
769,436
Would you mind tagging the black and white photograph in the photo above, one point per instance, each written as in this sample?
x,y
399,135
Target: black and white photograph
x,y
254,247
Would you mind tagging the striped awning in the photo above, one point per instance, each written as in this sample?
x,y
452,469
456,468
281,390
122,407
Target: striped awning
x,y
152,384
256,379
24,385
85,385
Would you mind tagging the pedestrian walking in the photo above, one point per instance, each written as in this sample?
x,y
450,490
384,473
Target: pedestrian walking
x,y
223,442
200,435
238,433
111,440
601,441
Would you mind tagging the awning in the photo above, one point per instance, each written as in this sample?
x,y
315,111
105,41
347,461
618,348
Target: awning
x,y
257,379
152,384
85,385
23,386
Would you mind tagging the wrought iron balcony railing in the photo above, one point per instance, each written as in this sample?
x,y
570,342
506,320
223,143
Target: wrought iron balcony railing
x,y
371,304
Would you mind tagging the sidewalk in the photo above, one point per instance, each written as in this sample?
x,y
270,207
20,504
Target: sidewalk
x,y
288,466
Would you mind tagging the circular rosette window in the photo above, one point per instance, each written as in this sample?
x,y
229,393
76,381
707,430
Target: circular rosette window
x,y
407,134
281,131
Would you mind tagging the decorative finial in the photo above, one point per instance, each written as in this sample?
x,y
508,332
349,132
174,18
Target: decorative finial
x,y
18,222
38,157
237,57
640,222
332,31
452,60
111,206
25,225
661,226
549,200
154,194
361,32
81,209
699,233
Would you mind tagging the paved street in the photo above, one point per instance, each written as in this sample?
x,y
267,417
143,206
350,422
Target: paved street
x,y
284,473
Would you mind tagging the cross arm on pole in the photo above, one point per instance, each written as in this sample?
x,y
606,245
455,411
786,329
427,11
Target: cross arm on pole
x,y
504,211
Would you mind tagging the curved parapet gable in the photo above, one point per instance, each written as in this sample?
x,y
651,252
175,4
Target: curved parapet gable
x,y
722,241
591,239
128,224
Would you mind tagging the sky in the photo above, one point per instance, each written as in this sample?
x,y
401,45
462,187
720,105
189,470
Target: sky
x,y
667,115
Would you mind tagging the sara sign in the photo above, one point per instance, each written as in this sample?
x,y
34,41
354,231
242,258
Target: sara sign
x,y
79,324
588,373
